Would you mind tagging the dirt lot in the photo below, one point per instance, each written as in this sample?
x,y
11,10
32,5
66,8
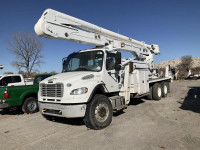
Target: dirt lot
x,y
172,123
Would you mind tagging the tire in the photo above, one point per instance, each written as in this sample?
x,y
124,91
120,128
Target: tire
x,y
164,89
6,110
30,105
150,96
168,87
99,113
157,91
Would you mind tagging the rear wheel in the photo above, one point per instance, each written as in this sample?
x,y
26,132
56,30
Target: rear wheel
x,y
30,105
98,113
157,91
164,89
168,87
150,96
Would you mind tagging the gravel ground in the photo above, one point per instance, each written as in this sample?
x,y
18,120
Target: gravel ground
x,y
173,123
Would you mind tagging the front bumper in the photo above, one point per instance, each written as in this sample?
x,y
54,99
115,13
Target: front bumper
x,y
4,105
62,110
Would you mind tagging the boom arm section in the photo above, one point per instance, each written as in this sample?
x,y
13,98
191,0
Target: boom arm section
x,y
54,24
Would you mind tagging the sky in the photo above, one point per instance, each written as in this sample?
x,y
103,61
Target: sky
x,y
172,24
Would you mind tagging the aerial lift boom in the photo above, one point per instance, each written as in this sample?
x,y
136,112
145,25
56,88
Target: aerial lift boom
x,y
54,24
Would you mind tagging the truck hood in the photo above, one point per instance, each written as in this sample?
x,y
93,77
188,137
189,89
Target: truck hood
x,y
68,77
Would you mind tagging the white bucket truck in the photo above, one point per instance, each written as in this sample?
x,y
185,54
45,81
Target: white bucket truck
x,y
96,82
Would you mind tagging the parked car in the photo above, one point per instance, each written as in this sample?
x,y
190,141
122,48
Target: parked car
x,y
13,80
14,92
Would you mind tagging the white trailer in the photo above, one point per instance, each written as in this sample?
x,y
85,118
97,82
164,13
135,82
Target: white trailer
x,y
96,82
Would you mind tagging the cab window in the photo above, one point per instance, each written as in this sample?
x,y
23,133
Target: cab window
x,y
5,81
16,79
110,61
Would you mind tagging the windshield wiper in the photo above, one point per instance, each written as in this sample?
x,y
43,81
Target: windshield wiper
x,y
82,69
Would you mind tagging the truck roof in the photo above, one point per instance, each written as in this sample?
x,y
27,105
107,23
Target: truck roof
x,y
45,74
10,74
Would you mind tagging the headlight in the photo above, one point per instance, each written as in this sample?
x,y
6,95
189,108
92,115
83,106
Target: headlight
x,y
79,91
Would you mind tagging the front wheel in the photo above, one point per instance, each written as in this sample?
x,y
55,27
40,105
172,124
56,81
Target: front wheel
x,y
98,113
30,105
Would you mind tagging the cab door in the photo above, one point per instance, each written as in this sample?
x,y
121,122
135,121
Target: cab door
x,y
111,75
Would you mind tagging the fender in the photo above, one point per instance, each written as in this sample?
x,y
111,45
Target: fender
x,y
28,92
98,89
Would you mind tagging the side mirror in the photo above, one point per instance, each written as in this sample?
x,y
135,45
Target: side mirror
x,y
118,67
118,61
64,61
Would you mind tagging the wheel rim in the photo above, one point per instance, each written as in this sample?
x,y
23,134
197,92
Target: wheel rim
x,y
165,89
32,105
101,112
159,92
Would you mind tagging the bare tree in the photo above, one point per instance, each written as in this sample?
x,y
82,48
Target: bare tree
x,y
186,63
53,72
27,49
8,73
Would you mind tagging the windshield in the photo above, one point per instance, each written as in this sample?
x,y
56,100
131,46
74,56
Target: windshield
x,y
85,61
39,78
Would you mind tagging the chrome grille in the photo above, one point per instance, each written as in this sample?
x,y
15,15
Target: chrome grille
x,y
52,90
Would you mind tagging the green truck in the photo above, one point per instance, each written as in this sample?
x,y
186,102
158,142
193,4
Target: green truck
x,y
20,96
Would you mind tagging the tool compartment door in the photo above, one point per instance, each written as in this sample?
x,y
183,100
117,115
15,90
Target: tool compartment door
x,y
143,82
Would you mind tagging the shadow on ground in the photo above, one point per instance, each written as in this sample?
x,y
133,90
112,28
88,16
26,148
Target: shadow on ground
x,y
136,101
133,102
71,121
12,111
192,100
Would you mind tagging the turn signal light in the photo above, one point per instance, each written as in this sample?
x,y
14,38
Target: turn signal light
x,y
122,44
6,95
